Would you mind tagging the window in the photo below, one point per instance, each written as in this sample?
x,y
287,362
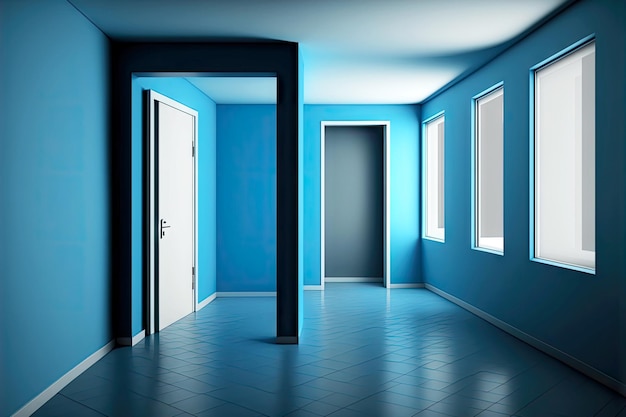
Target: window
x,y
564,159
489,170
434,178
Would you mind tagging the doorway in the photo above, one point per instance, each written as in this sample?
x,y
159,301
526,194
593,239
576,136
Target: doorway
x,y
172,195
182,59
355,202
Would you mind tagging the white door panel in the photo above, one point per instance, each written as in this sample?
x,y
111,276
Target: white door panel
x,y
173,128
175,202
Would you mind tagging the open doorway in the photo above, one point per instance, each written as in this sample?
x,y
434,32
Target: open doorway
x,y
164,60
355,202
243,97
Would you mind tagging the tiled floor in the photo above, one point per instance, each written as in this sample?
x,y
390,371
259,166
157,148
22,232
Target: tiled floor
x,y
364,351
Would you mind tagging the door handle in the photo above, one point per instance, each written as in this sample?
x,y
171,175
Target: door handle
x,y
164,226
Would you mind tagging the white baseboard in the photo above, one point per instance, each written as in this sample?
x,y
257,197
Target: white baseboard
x,y
206,301
139,337
247,294
131,341
353,279
321,287
36,403
408,285
313,288
575,363
287,340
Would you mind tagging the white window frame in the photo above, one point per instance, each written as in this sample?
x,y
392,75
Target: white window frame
x,y
487,95
577,259
438,234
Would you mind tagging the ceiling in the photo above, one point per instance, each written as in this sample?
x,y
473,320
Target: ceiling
x,y
237,90
354,51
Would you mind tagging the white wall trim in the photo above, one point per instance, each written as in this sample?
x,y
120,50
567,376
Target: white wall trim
x,y
313,288
575,363
386,124
357,279
128,341
246,294
206,301
36,403
354,279
408,285
139,337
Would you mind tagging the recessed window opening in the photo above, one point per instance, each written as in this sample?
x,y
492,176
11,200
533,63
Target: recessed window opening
x,y
489,171
564,159
434,224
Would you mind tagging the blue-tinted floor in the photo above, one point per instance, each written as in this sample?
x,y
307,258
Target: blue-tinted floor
x,y
364,351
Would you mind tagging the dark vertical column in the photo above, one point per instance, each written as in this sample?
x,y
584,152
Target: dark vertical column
x,y
287,206
120,160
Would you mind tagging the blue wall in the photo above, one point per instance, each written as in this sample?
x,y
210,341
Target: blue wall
x,y
404,176
246,198
574,312
55,286
184,92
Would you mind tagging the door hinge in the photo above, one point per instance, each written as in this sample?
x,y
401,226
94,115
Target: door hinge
x,y
193,150
193,277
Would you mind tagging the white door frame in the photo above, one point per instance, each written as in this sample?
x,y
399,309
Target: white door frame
x,y
152,229
386,139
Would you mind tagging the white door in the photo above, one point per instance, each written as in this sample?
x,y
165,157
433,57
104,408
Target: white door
x,y
174,220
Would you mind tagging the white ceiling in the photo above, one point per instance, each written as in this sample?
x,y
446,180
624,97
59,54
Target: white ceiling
x,y
354,51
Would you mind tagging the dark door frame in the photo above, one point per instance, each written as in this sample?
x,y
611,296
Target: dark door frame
x,y
276,58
